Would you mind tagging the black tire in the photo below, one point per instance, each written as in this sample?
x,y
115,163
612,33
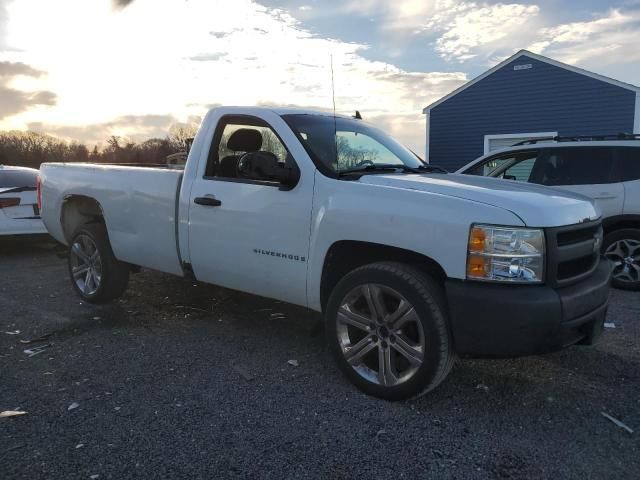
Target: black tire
x,y
628,279
114,275
426,297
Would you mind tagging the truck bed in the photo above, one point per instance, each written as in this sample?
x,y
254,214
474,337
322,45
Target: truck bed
x,y
138,204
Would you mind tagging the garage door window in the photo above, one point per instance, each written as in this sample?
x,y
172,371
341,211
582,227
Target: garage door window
x,y
496,142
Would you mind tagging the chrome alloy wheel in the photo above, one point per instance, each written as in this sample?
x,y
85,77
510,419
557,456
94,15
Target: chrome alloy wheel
x,y
380,334
86,266
625,255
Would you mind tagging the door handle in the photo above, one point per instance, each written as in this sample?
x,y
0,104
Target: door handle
x,y
604,196
207,201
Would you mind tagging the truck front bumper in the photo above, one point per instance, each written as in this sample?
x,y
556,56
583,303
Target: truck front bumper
x,y
498,320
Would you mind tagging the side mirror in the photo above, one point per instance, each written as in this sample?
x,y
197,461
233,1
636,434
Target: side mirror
x,y
509,177
265,166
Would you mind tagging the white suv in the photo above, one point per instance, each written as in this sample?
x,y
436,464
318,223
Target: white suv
x,y
605,168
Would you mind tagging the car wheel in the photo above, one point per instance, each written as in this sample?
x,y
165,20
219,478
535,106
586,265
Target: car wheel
x,y
387,327
622,247
96,275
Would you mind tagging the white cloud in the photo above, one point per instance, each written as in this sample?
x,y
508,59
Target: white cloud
x,y
476,29
463,29
136,128
611,39
106,63
402,16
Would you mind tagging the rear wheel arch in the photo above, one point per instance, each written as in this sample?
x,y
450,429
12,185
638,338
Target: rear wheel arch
x,y
344,256
78,210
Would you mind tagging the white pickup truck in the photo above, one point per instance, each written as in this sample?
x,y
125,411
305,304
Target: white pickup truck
x,y
410,267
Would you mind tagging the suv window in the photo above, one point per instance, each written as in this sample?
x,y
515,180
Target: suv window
x,y
18,178
575,166
511,166
629,163
238,136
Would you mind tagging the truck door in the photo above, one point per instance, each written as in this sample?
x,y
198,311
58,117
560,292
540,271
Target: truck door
x,y
248,232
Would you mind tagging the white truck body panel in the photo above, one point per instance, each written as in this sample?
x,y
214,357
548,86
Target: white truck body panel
x,y
430,223
535,205
608,196
236,244
138,205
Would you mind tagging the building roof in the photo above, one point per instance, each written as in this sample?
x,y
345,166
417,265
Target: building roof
x,y
540,58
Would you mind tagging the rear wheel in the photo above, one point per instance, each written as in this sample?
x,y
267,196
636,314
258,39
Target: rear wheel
x,y
388,330
96,275
622,247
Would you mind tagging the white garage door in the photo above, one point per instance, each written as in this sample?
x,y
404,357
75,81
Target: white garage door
x,y
496,142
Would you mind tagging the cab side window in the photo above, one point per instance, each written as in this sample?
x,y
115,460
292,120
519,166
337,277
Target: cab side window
x,y
237,144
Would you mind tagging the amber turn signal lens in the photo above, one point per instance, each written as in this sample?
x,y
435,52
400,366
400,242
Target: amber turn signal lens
x,y
476,266
477,237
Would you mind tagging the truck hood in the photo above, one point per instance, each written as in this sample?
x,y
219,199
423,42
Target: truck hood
x,y
536,205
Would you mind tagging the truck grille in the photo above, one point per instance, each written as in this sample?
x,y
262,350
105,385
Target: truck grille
x,y
573,252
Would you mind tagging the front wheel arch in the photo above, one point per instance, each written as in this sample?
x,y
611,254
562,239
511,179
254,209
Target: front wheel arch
x,y
344,256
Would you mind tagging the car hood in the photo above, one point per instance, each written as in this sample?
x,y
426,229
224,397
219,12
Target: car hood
x,y
536,205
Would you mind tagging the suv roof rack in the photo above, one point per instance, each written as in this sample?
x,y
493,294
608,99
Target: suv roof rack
x,y
581,138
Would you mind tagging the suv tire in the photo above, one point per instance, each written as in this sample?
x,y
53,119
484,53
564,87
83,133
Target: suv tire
x,y
622,248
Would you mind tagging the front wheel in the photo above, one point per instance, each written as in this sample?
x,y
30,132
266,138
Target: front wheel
x,y
622,247
388,330
96,275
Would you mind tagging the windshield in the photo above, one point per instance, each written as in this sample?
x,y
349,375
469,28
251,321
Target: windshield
x,y
355,144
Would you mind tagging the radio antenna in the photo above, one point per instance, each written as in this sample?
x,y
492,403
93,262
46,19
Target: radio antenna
x,y
333,96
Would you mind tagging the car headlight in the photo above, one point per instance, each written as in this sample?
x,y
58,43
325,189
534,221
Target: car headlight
x,y
505,254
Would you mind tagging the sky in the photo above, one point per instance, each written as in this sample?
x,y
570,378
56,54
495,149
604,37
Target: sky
x,y
88,69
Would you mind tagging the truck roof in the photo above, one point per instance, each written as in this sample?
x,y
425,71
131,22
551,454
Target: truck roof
x,y
281,110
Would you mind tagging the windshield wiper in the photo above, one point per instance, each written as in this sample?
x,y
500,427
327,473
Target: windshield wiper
x,y
392,168
370,168
430,168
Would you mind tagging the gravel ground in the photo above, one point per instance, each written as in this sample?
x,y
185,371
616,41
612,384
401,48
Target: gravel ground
x,y
186,380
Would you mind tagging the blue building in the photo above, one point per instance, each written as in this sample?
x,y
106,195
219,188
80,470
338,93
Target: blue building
x,y
526,96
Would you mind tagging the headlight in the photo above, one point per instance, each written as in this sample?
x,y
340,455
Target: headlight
x,y
505,254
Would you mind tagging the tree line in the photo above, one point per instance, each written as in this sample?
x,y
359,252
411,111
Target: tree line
x,y
30,149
